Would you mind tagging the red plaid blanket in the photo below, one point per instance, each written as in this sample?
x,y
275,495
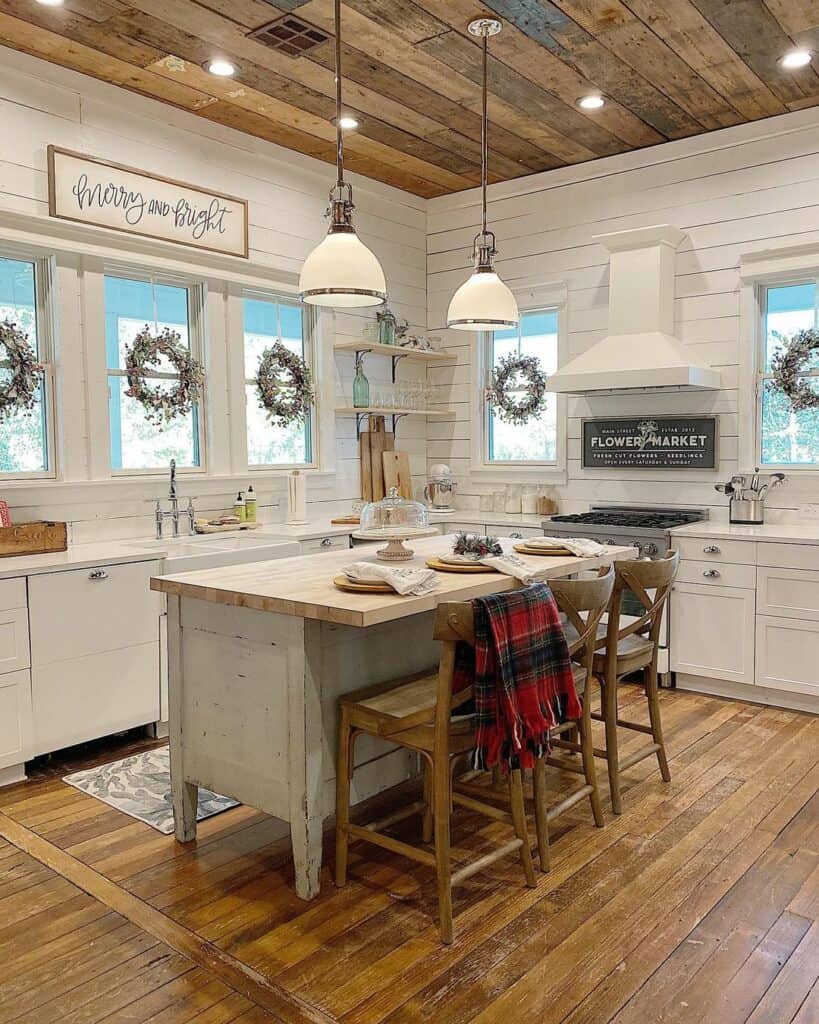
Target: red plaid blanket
x,y
522,675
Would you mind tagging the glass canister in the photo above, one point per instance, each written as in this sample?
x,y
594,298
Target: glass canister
x,y
386,327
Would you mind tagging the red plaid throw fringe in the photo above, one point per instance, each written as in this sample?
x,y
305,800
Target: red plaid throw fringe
x,y
522,675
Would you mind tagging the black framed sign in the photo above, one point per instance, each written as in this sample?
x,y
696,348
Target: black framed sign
x,y
651,442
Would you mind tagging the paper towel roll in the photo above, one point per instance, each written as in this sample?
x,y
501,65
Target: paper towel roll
x,y
296,498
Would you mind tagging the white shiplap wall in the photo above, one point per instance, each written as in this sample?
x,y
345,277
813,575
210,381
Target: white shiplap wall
x,y
41,103
733,192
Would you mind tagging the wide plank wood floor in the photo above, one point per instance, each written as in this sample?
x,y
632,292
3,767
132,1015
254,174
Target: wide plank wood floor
x,y
700,903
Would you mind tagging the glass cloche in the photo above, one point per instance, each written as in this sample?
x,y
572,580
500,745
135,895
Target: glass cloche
x,y
394,519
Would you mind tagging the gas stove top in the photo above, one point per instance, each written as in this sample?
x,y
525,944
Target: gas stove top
x,y
644,527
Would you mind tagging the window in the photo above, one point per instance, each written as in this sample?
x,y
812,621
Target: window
x,y
130,305
786,438
267,320
25,442
536,441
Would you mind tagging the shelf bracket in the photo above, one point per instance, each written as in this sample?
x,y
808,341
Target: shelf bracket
x,y
395,361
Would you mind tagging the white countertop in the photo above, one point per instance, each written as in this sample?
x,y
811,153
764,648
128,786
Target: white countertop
x,y
804,532
78,556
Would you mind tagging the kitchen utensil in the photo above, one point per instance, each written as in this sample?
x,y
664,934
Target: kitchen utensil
x,y
397,472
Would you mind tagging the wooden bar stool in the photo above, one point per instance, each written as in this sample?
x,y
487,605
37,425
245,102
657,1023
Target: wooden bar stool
x,y
630,649
416,714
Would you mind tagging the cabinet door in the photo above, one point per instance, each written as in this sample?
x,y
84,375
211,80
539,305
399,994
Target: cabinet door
x,y
14,651
15,718
788,593
787,654
712,631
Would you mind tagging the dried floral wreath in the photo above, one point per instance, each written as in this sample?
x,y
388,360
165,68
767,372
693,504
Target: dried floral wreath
x,y
19,393
503,384
162,406
787,365
285,400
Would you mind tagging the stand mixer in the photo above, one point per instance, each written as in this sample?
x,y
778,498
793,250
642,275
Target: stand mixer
x,y
439,490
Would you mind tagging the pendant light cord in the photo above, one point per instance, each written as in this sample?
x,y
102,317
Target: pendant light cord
x,y
484,136
339,133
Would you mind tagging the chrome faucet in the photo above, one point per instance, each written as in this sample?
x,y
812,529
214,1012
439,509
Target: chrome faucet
x,y
174,514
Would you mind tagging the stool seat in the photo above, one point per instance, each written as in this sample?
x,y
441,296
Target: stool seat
x,y
635,649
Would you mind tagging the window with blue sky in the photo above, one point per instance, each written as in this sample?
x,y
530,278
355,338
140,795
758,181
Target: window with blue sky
x,y
535,441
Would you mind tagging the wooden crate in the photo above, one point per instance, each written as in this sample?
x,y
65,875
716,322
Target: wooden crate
x,y
32,539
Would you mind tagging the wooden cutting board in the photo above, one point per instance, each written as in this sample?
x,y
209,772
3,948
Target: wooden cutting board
x,y
373,443
397,472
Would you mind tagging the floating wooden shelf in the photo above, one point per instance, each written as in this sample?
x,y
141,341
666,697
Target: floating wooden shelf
x,y
395,351
379,411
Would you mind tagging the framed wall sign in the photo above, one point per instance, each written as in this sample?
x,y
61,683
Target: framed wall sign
x,y
90,191
651,442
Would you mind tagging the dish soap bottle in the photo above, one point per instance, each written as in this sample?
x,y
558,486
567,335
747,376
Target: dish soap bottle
x,y
239,509
361,386
250,505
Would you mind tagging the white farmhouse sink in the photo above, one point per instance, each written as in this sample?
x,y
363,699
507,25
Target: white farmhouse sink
x,y
210,551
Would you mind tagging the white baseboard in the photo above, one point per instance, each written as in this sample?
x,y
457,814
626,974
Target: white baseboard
x,y
752,694
14,773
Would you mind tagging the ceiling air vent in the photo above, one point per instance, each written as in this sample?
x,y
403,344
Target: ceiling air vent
x,y
290,35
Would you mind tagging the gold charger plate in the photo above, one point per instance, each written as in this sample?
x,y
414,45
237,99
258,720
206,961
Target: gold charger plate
x,y
439,566
370,587
524,549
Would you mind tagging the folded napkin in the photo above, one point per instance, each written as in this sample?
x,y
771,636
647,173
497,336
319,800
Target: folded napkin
x,y
577,545
402,579
510,565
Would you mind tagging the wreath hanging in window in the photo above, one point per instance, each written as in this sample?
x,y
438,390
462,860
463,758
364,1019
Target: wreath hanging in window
x,y
787,365
19,393
284,385
505,384
162,405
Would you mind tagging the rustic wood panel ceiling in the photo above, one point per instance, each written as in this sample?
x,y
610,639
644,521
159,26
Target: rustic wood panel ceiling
x,y
668,69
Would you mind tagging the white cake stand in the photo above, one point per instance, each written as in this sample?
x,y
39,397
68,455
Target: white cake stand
x,y
395,536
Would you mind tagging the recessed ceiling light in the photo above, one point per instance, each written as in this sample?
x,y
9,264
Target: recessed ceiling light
x,y
50,3
593,102
796,59
348,121
221,68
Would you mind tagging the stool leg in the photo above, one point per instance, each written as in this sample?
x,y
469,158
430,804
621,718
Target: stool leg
x,y
587,753
426,828
573,736
652,693
440,811
519,821
541,820
612,756
343,774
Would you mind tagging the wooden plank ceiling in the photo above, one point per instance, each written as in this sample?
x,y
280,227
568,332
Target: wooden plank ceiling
x,y
668,69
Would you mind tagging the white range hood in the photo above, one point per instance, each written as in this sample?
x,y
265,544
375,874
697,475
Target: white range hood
x,y
640,351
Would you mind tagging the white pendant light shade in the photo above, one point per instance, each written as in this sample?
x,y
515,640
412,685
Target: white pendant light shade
x,y
343,273
483,303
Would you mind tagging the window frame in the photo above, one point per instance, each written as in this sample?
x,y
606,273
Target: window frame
x,y
309,320
44,299
197,301
531,299
760,375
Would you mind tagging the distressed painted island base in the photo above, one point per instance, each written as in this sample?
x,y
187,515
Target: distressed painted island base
x,y
253,713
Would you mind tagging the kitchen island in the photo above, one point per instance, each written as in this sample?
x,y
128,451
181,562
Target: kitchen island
x,y
258,657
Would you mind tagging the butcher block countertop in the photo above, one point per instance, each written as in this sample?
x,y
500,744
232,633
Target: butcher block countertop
x,y
303,586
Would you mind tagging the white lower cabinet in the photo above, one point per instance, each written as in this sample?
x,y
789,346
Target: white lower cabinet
x,y
16,743
787,654
712,631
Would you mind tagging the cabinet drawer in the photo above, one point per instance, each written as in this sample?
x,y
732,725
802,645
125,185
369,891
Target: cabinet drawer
x,y
318,544
718,574
82,699
12,593
85,611
788,556
787,654
793,593
15,718
705,549
14,647
516,532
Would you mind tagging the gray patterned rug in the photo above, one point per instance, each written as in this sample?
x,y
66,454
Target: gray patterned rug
x,y
141,786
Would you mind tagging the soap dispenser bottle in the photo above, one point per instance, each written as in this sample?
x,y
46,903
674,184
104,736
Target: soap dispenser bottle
x,y
250,505
239,508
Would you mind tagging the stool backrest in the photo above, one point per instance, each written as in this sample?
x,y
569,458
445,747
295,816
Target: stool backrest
x,y
583,603
639,576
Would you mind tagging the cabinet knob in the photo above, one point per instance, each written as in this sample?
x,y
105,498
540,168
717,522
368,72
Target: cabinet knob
x,y
712,573
516,536
98,574
326,542
711,549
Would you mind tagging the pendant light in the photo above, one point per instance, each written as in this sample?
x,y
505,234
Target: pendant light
x,y
341,271
484,302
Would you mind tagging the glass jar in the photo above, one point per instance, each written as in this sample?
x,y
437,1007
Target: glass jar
x,y
528,500
487,502
361,386
386,327
512,503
